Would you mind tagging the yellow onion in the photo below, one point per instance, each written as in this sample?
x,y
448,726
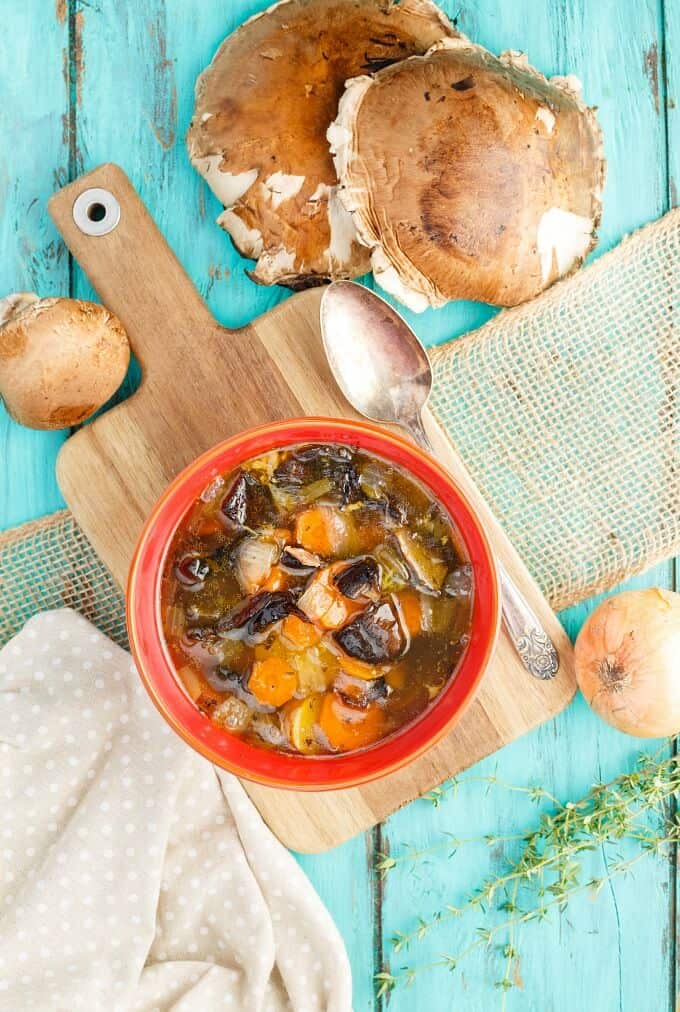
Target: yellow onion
x,y
628,662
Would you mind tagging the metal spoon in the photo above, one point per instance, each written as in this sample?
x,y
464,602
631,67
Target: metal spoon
x,y
384,372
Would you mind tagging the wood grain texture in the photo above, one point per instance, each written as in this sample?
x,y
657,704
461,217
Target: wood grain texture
x,y
615,955
112,471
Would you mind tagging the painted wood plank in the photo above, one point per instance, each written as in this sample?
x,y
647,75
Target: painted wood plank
x,y
594,956
139,64
34,141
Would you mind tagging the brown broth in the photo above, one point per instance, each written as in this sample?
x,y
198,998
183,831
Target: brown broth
x,y
316,600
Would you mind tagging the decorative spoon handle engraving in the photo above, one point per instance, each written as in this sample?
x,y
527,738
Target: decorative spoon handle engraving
x,y
533,644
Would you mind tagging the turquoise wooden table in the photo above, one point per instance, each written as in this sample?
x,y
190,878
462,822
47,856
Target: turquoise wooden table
x,y
87,81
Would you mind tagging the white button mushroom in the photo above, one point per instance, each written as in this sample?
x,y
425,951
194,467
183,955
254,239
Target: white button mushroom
x,y
60,359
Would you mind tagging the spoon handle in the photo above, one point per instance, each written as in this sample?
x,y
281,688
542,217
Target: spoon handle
x,y
533,645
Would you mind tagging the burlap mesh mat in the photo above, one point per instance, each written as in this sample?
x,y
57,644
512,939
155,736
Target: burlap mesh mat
x,y
566,412
50,563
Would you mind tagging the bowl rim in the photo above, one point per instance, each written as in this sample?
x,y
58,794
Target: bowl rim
x,y
158,672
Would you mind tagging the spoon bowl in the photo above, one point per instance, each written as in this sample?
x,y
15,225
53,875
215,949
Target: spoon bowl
x,y
378,362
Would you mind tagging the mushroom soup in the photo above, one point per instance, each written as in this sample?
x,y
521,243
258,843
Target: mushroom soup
x,y
316,599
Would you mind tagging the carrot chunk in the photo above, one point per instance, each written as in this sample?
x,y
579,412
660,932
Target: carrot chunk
x,y
348,727
272,681
411,611
322,530
299,632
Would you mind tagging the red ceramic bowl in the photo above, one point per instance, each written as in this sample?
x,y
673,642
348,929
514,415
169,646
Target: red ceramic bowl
x,y
228,751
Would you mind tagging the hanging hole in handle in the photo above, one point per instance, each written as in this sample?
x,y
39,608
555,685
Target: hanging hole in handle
x,y
96,211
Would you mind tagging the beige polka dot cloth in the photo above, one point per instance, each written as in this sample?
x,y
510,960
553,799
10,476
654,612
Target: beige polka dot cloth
x,y
133,874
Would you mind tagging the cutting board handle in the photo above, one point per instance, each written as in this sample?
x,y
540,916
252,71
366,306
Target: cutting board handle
x,y
131,267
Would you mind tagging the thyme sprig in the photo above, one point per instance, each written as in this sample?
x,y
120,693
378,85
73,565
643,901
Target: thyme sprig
x,y
636,806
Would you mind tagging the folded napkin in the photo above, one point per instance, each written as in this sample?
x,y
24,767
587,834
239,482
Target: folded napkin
x,y
134,875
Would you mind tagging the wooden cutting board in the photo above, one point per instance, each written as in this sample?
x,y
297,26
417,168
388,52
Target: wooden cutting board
x,y
202,383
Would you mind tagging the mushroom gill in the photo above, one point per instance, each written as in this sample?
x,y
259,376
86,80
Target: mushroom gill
x,y
468,176
258,133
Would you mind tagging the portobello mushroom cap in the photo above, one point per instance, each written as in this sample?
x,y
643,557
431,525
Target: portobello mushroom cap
x,y
258,133
469,176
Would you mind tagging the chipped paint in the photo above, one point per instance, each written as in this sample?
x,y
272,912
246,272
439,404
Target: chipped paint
x,y
78,55
60,11
163,115
73,59
651,67
215,273
73,72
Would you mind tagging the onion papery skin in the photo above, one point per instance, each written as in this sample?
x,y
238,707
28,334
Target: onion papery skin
x,y
627,659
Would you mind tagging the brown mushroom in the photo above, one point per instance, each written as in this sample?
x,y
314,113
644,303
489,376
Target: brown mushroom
x,y
469,176
258,133
60,359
